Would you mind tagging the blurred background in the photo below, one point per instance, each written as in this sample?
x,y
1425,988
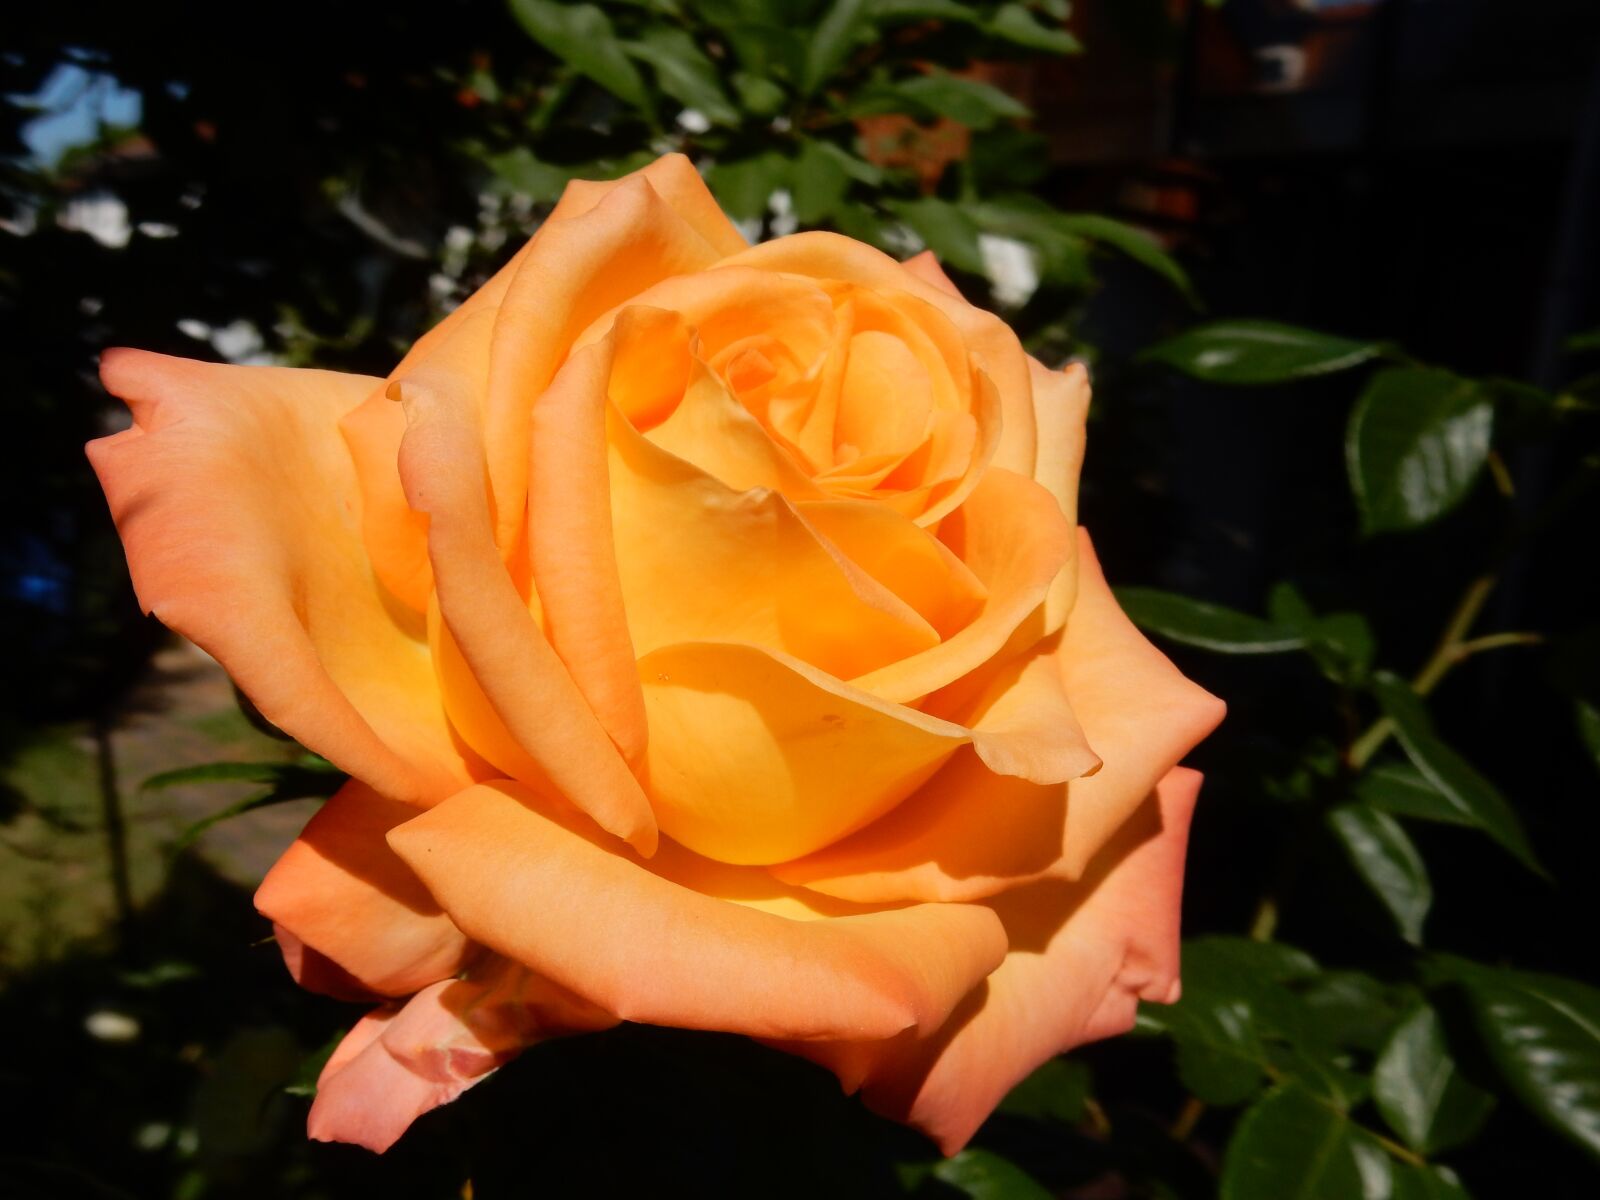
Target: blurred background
x,y
1333,266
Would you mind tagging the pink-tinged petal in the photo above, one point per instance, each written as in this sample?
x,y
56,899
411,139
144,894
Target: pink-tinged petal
x,y
442,466
401,1061
316,972
340,890
536,886
1082,955
236,500
969,833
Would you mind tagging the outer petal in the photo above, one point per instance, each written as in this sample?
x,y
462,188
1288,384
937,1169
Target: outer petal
x,y
969,834
397,1063
925,266
441,463
536,888
677,182
1082,956
238,506
340,890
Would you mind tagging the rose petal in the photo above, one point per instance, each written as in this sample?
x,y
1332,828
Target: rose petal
x,y
1060,405
757,758
969,834
236,502
397,1063
700,561
630,239
832,256
1011,534
441,464
536,887
904,557
340,890
925,266
1082,957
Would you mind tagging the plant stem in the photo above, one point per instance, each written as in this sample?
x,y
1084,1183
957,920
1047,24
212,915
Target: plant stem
x,y
1453,648
1265,922
1404,1154
1188,1117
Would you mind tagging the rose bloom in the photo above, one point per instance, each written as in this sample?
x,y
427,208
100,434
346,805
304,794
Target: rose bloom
x,y
706,633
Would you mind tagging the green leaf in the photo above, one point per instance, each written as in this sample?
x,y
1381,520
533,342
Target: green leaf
x,y
1015,24
520,172
1580,342
832,42
757,94
286,781
1402,790
1234,996
1419,1091
1417,441
1352,1009
1255,352
1383,855
581,35
1057,1091
1208,626
745,185
943,228
1468,792
1292,1146
984,1175
1543,1033
310,1068
818,183
1136,244
1341,643
1425,1183
685,73
974,104
1588,719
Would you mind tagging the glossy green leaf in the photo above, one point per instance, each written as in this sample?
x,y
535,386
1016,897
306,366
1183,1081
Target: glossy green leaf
x,y
520,172
984,1175
1420,1092
1015,24
1057,1091
943,228
1478,800
1255,352
1385,858
1133,242
1353,1009
1292,1146
1220,1057
1543,1033
1342,643
832,42
1403,791
1425,1183
684,72
582,36
1207,626
1416,443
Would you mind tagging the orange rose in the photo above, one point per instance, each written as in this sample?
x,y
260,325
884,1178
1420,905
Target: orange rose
x,y
707,636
